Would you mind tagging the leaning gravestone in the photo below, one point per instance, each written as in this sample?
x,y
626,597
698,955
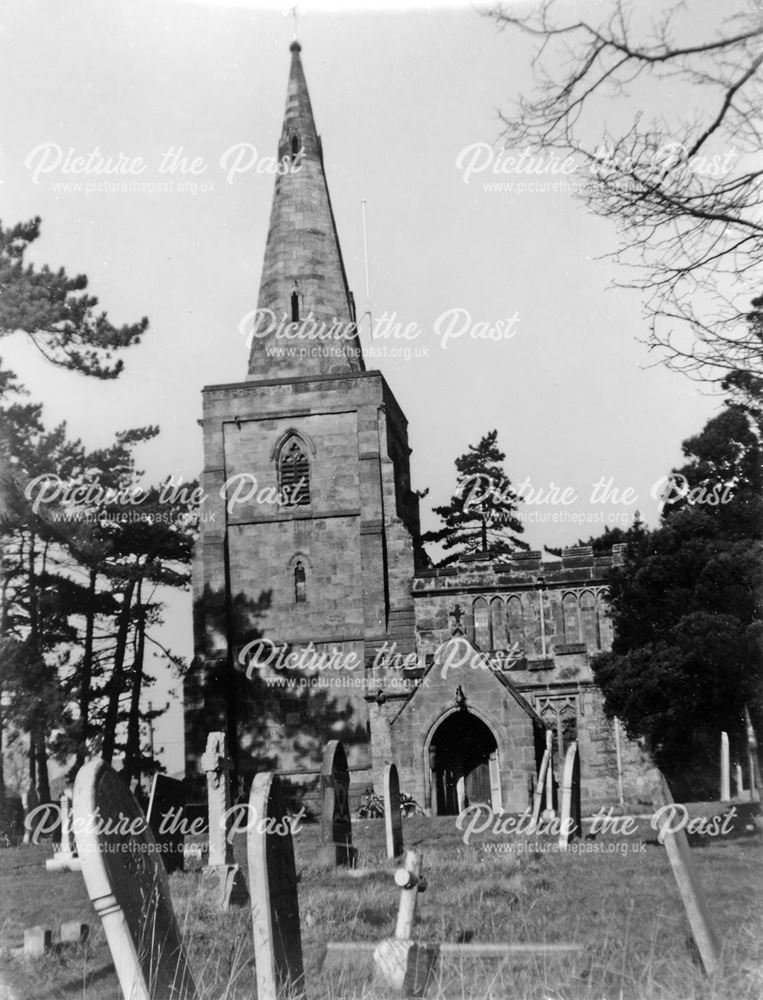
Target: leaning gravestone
x,y
393,818
570,824
222,880
336,825
165,817
128,886
274,900
682,863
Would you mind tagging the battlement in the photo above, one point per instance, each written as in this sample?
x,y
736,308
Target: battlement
x,y
488,570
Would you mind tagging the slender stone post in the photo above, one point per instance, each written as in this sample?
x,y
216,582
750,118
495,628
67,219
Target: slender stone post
x,y
725,769
548,812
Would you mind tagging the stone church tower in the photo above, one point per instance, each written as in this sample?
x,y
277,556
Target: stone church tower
x,y
317,614
310,528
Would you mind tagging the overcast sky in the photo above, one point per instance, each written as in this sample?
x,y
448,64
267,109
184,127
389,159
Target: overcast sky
x,y
397,97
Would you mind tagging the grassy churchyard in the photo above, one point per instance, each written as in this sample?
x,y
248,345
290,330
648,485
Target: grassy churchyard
x,y
614,895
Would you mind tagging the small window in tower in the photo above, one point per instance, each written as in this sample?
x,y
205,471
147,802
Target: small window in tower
x,y
294,307
294,144
300,584
294,474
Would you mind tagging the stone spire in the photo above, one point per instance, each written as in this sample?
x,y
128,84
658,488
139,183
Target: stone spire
x,y
305,323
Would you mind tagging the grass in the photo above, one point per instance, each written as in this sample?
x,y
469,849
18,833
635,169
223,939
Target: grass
x,y
624,910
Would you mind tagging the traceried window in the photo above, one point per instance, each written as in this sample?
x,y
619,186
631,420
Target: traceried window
x,y
294,474
481,623
571,618
589,619
515,620
498,624
300,583
605,622
560,715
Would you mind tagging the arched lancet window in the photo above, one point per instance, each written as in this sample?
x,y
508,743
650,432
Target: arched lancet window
x,y
300,583
515,620
589,620
294,307
498,624
294,474
294,144
605,622
481,623
571,619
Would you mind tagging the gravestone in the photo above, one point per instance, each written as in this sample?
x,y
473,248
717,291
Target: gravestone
x,y
65,858
274,900
548,812
540,786
129,888
222,881
336,824
725,769
682,863
402,963
165,816
570,822
37,941
393,817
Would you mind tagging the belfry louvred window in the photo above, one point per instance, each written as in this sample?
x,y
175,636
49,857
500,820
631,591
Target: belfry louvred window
x,y
294,474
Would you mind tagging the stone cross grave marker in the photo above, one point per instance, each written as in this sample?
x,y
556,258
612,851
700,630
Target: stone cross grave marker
x,y
65,858
336,824
393,817
222,880
165,816
274,900
129,888
570,823
682,863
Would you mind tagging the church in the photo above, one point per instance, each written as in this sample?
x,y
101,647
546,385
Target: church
x,y
317,614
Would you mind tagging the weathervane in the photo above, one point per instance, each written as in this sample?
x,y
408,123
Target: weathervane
x,y
294,11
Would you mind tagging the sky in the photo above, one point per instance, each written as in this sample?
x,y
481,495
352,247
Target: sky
x,y
549,352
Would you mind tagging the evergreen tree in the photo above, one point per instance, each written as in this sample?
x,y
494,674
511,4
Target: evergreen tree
x,y
481,515
686,658
56,312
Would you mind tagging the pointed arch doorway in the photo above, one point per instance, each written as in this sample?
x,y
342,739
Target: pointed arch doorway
x,y
463,764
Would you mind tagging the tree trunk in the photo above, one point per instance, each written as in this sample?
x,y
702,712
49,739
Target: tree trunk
x,y
86,674
3,810
132,749
112,710
41,754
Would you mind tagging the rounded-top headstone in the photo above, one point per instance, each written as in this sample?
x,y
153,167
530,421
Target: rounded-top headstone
x,y
273,895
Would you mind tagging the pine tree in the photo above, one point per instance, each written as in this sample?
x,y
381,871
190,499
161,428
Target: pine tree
x,y
56,312
481,515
